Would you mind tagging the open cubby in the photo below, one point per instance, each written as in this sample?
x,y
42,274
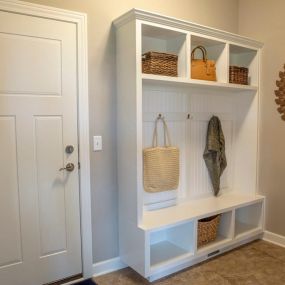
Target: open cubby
x,y
245,57
224,234
216,50
248,219
166,41
171,243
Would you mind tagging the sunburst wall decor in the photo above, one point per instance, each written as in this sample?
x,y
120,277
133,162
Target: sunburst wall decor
x,y
280,93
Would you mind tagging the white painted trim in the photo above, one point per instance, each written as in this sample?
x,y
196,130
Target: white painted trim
x,y
80,19
74,281
108,266
139,14
274,238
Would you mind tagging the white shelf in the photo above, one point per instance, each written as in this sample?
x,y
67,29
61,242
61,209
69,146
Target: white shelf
x,y
242,229
165,252
195,209
194,83
218,242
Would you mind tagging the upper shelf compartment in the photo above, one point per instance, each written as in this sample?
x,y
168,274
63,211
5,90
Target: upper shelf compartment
x,y
216,50
245,57
157,39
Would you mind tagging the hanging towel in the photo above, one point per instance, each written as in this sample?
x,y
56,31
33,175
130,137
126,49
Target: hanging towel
x,y
214,154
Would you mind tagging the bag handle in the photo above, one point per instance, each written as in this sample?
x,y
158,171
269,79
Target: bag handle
x,y
165,133
204,52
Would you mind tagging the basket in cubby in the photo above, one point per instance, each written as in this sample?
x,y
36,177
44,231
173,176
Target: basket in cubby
x,y
238,75
159,63
208,229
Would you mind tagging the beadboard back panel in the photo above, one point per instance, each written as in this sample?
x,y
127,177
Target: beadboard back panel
x,y
173,106
187,114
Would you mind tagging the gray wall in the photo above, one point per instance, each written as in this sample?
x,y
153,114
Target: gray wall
x,y
264,20
220,14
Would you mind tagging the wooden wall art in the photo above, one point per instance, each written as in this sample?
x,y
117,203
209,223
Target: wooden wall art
x,y
280,93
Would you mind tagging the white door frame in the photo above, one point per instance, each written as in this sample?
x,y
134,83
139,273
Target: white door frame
x,y
80,19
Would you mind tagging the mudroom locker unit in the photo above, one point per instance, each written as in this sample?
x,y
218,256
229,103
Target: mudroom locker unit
x,y
158,231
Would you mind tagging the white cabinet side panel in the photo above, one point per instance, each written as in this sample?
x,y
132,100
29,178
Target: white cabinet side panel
x,y
127,120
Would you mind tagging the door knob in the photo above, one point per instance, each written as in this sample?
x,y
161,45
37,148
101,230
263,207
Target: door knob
x,y
69,167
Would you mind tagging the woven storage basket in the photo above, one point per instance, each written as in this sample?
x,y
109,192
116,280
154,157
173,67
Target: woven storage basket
x,y
207,229
238,75
159,63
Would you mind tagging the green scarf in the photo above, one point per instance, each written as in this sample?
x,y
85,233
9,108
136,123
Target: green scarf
x,y
214,153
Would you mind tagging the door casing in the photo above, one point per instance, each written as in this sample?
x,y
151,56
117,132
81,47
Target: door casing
x,y
80,20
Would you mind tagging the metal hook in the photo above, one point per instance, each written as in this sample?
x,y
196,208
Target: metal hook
x,y
159,116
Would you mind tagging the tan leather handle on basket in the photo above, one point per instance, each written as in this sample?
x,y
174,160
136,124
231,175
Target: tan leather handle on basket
x,y
204,52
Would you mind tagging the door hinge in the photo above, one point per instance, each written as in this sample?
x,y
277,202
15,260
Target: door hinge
x,y
78,165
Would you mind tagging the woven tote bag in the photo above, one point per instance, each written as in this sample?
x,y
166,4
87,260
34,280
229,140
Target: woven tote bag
x,y
160,164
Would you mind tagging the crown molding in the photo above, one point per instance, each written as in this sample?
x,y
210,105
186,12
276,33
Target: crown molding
x,y
137,14
28,8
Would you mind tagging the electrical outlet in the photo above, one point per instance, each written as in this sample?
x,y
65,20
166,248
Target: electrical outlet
x,y
97,143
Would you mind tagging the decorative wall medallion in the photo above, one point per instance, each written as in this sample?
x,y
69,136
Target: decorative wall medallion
x,y
280,93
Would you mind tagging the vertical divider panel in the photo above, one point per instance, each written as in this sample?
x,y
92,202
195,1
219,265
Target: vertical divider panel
x,y
178,46
233,224
227,63
195,238
188,56
220,52
225,227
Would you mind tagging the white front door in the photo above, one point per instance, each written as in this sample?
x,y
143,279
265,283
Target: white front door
x,y
39,204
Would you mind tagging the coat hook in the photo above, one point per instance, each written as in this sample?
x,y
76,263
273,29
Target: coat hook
x,y
159,116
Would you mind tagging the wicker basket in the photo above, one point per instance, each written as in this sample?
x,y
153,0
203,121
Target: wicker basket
x,y
159,63
207,229
238,75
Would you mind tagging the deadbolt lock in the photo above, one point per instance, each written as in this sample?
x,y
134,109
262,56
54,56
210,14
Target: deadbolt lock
x,y
69,149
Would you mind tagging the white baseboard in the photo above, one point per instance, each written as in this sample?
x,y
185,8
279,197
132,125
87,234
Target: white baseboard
x,y
108,266
274,238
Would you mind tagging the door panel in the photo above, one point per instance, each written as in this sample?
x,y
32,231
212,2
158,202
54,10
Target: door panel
x,y
10,234
50,184
39,205
17,53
